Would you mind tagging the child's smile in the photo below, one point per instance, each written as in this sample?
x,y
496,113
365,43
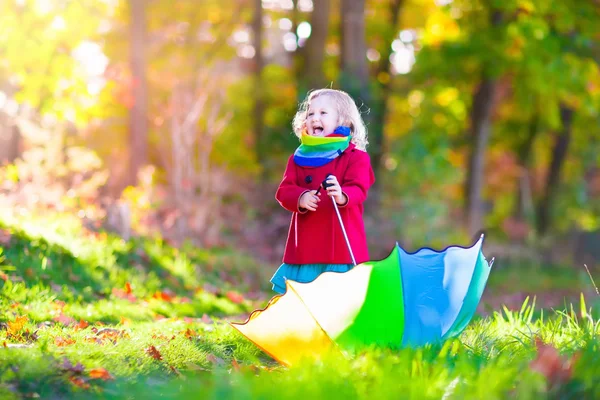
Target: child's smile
x,y
322,117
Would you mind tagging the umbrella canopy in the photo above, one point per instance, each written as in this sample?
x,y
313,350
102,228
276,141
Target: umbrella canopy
x,y
407,299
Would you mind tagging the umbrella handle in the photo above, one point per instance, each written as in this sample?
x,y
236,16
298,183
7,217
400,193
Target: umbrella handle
x,y
337,211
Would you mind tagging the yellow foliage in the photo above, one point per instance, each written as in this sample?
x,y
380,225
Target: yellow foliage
x,y
447,96
440,27
16,326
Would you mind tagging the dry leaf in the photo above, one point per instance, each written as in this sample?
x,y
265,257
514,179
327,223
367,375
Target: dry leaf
x,y
69,367
188,333
215,360
154,353
165,295
206,319
62,341
78,381
551,365
81,325
14,327
3,276
235,365
59,304
4,237
64,319
100,373
235,297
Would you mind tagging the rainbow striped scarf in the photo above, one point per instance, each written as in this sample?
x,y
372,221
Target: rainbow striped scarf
x,y
315,151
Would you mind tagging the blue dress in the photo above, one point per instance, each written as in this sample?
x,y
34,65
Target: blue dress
x,y
303,273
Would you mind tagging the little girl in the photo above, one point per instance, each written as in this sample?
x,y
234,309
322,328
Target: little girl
x,y
333,141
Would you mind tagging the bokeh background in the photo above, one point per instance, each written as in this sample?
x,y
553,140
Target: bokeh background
x,y
172,118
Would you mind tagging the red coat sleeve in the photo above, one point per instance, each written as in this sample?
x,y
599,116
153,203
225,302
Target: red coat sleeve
x,y
289,192
357,180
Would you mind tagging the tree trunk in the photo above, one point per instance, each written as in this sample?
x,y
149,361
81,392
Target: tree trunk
x,y
314,50
138,123
523,202
10,141
480,128
379,108
481,113
259,106
559,154
355,73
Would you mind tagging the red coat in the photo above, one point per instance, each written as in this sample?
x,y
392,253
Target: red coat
x,y
315,237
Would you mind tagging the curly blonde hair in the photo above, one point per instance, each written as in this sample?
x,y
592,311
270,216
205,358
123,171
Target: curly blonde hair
x,y
347,111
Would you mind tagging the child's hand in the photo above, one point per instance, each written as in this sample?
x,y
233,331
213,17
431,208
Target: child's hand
x,y
335,190
309,200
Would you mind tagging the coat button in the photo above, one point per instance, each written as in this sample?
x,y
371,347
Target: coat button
x,y
308,179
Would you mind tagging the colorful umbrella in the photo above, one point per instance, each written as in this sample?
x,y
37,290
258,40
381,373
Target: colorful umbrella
x,y
407,299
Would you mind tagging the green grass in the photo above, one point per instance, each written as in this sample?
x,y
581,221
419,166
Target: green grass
x,y
168,337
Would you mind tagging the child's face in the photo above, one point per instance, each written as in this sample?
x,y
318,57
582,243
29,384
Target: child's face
x,y
322,117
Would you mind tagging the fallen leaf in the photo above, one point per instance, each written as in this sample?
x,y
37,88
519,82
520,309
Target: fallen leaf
x,y
215,360
206,319
100,373
235,365
175,370
69,367
81,325
188,333
556,369
235,297
80,382
59,304
29,336
154,353
60,341
128,288
5,237
3,276
164,295
64,319
14,327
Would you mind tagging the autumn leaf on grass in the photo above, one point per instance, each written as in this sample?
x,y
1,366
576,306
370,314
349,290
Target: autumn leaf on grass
x,y
160,336
556,369
235,297
60,341
59,304
164,295
3,276
67,366
81,325
64,319
5,237
125,293
188,333
15,327
79,382
154,353
111,334
100,373
215,360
